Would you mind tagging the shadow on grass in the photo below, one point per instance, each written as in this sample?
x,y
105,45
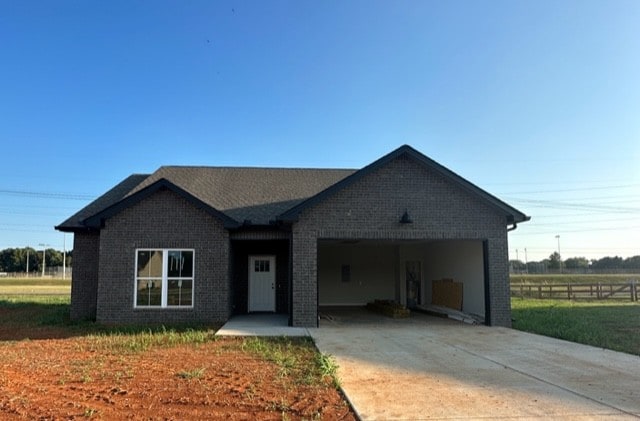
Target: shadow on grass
x,y
49,319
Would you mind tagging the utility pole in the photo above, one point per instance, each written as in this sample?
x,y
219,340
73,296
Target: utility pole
x,y
27,261
64,255
43,256
526,264
559,255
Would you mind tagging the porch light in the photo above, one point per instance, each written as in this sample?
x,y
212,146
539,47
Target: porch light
x,y
406,219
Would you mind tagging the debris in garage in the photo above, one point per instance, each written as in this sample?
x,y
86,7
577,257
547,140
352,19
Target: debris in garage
x,y
450,313
389,308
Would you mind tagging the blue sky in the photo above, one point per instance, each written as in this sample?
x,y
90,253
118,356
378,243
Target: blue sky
x,y
538,102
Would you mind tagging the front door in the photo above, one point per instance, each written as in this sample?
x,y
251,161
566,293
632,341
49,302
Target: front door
x,y
262,283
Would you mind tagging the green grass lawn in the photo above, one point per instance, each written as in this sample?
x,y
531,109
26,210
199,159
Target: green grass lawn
x,y
605,324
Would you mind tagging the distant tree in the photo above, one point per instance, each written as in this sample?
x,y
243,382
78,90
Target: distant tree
x,y
554,260
576,263
607,263
631,262
15,260
517,265
10,260
54,258
537,267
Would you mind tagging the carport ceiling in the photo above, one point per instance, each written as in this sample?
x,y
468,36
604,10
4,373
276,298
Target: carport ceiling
x,y
333,242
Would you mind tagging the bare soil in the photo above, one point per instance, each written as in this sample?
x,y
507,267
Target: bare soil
x,y
71,378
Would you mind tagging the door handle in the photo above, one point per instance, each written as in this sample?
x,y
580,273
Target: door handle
x,y
272,287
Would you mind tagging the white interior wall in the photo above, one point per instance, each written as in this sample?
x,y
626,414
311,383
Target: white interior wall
x,y
378,271
373,273
461,261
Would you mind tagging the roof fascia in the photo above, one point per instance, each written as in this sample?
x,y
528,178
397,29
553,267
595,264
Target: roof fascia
x,y
97,220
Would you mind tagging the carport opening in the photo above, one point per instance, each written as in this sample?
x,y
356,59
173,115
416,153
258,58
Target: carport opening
x,y
355,272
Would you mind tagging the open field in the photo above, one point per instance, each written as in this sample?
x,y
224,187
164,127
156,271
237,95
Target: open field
x,y
52,369
606,324
35,286
572,279
577,287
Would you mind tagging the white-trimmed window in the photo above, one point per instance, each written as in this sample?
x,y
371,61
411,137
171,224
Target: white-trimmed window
x,y
164,278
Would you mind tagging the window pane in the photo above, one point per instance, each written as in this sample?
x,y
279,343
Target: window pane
x,y
261,266
180,264
149,292
187,264
179,292
150,263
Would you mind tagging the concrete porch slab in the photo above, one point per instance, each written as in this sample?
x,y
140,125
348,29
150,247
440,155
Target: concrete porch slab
x,y
260,325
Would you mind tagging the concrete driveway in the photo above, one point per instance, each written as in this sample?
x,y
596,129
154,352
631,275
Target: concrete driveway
x,y
430,368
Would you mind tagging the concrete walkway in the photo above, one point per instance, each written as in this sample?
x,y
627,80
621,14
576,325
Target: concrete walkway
x,y
428,368
260,325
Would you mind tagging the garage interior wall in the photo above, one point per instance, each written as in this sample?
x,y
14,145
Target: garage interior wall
x,y
461,261
372,273
376,270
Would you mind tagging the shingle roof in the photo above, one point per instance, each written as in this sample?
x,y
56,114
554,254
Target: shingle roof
x,y
258,195
255,194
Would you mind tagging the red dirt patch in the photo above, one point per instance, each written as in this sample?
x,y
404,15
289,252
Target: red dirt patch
x,y
72,379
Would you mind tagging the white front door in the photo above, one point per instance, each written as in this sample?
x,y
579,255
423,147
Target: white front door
x,y
262,283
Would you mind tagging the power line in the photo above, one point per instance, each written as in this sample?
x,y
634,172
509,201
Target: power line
x,y
590,221
621,186
45,195
562,231
571,205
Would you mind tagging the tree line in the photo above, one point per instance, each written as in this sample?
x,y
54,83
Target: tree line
x,y
554,263
15,259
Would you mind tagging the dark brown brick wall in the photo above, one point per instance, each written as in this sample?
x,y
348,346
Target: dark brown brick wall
x,y
371,208
163,220
84,284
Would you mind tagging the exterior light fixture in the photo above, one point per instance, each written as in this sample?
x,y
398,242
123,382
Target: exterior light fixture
x,y
405,219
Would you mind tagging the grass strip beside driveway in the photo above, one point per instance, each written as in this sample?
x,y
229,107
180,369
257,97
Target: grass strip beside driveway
x,y
605,324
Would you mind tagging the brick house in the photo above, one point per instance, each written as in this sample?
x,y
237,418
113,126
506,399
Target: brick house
x,y
200,244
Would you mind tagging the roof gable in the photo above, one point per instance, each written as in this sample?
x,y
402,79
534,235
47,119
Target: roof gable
x,y
256,195
96,221
513,215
